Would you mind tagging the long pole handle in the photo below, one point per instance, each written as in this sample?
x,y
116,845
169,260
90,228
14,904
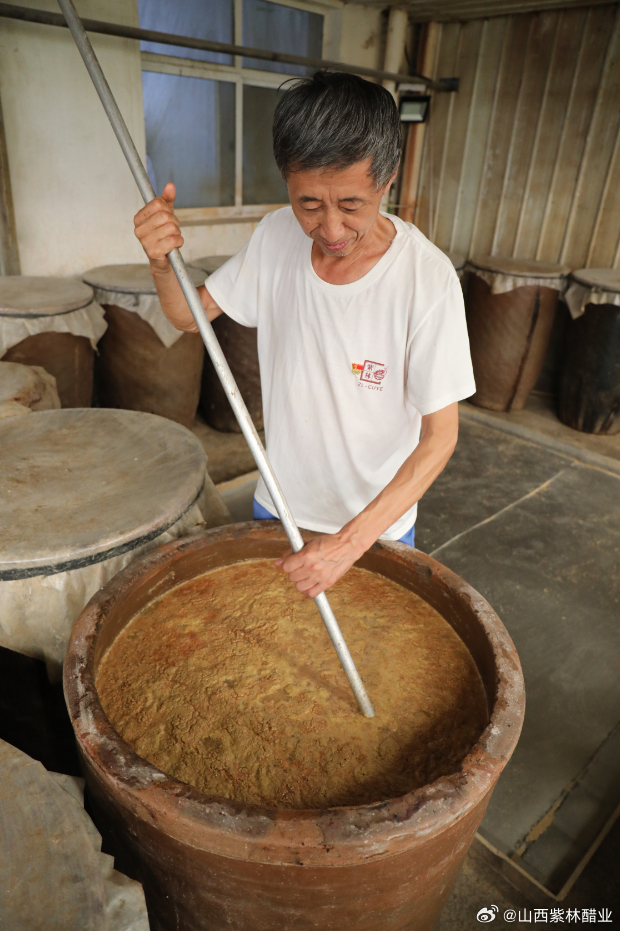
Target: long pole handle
x,y
213,347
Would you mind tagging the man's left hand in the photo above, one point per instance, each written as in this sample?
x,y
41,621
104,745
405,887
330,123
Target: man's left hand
x,y
320,564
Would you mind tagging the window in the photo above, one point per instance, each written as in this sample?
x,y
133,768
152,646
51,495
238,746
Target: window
x,y
208,115
200,19
190,137
281,29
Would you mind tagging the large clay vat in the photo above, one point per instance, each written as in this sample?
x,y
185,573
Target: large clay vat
x,y
239,345
51,322
511,306
589,387
67,357
137,372
143,363
208,863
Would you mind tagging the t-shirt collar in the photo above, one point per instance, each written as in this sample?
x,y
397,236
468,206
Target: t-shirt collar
x,y
344,290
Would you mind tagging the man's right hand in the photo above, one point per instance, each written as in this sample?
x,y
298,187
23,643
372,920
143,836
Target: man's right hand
x,y
159,232
158,229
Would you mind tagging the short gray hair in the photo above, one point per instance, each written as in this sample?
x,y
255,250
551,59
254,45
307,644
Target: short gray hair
x,y
334,120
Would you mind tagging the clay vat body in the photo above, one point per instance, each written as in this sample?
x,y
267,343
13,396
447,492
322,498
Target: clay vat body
x,y
208,863
239,345
508,334
52,311
589,391
67,357
136,372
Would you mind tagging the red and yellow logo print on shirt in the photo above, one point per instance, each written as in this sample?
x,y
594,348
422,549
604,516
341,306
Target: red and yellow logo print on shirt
x,y
371,374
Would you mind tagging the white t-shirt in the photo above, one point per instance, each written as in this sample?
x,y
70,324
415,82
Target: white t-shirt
x,y
347,371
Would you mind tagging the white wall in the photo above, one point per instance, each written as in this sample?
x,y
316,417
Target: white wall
x,y
74,196
363,36
73,193
216,239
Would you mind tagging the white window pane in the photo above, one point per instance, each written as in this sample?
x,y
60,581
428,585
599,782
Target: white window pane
x,y
281,28
200,19
190,137
262,183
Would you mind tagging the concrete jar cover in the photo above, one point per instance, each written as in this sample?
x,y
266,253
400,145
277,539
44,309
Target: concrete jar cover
x,y
82,493
210,863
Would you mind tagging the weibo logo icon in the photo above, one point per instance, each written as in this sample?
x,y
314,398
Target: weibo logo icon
x,y
487,914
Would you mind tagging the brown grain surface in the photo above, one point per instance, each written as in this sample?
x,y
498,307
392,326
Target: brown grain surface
x,y
230,683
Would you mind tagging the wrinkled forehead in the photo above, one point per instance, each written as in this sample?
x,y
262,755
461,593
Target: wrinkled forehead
x,y
354,183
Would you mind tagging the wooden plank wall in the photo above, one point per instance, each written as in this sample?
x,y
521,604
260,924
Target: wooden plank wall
x,y
524,160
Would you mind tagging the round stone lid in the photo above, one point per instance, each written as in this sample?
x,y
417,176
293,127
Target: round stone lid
x,y
131,279
457,260
519,268
52,873
25,296
80,485
210,263
602,279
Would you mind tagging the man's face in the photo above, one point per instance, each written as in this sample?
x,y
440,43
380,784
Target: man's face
x,y
336,209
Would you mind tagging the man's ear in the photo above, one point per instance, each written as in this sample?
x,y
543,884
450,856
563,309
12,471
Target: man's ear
x,y
389,184
393,178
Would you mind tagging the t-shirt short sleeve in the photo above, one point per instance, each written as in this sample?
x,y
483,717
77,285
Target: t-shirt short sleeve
x,y
439,361
235,285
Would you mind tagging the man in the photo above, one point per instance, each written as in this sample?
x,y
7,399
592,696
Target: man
x,y
362,338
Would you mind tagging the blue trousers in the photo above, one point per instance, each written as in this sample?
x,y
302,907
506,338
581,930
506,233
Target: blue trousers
x,y
261,513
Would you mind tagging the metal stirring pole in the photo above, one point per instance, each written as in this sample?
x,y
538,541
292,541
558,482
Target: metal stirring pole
x,y
213,347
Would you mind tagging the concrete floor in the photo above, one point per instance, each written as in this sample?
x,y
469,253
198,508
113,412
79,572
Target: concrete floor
x,y
539,416
538,534
480,886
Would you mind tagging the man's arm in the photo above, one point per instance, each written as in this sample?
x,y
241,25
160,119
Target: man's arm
x,y
158,230
326,558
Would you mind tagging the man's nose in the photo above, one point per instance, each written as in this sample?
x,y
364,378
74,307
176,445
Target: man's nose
x,y
332,226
